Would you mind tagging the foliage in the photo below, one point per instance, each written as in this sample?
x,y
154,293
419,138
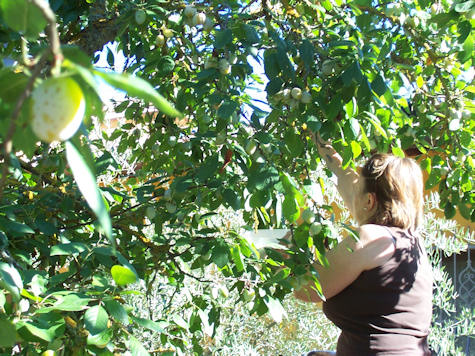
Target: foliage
x,y
387,76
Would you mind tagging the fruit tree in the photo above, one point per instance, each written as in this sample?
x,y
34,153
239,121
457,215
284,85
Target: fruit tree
x,y
221,99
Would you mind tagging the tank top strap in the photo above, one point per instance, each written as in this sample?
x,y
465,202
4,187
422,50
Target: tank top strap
x,y
391,233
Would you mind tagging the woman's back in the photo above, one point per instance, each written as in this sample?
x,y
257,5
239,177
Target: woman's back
x,y
387,310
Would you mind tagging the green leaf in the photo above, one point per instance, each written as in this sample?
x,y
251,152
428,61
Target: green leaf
x,y
220,254
8,335
449,210
464,210
464,6
355,149
95,319
11,280
376,124
88,187
117,311
227,108
306,53
378,85
397,151
467,52
18,228
48,327
11,84
123,275
158,326
223,38
271,65
69,249
137,87
276,310
100,339
136,347
274,85
352,74
70,302
232,199
290,209
23,16
237,258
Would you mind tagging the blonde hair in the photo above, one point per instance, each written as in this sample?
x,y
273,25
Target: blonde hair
x,y
398,187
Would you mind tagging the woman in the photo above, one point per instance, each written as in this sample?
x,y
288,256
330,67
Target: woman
x,y
378,289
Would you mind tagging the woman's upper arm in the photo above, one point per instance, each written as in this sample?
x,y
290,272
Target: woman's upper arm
x,y
344,267
346,262
349,258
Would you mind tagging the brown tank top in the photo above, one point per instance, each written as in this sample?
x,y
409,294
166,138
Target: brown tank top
x,y
387,310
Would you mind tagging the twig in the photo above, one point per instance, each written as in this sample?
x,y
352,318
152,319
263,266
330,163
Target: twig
x,y
52,33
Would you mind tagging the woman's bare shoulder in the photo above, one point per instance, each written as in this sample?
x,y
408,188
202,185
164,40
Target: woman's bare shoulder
x,y
377,243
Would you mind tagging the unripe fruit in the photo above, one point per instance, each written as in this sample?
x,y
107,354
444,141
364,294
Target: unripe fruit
x,y
293,103
140,16
160,40
308,216
253,51
150,213
327,67
223,291
267,148
172,141
296,93
220,138
455,114
167,32
171,208
189,11
232,58
306,97
208,25
470,15
286,94
199,19
466,115
250,147
224,66
247,295
315,229
167,195
58,108
211,63
49,353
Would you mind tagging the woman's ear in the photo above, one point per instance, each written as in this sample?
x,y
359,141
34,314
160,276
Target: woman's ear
x,y
371,201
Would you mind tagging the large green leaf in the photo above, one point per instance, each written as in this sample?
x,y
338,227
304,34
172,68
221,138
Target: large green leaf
x,y
8,335
136,347
101,338
290,209
137,87
23,16
117,311
123,275
70,302
158,326
95,319
276,310
69,249
47,327
10,279
88,187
